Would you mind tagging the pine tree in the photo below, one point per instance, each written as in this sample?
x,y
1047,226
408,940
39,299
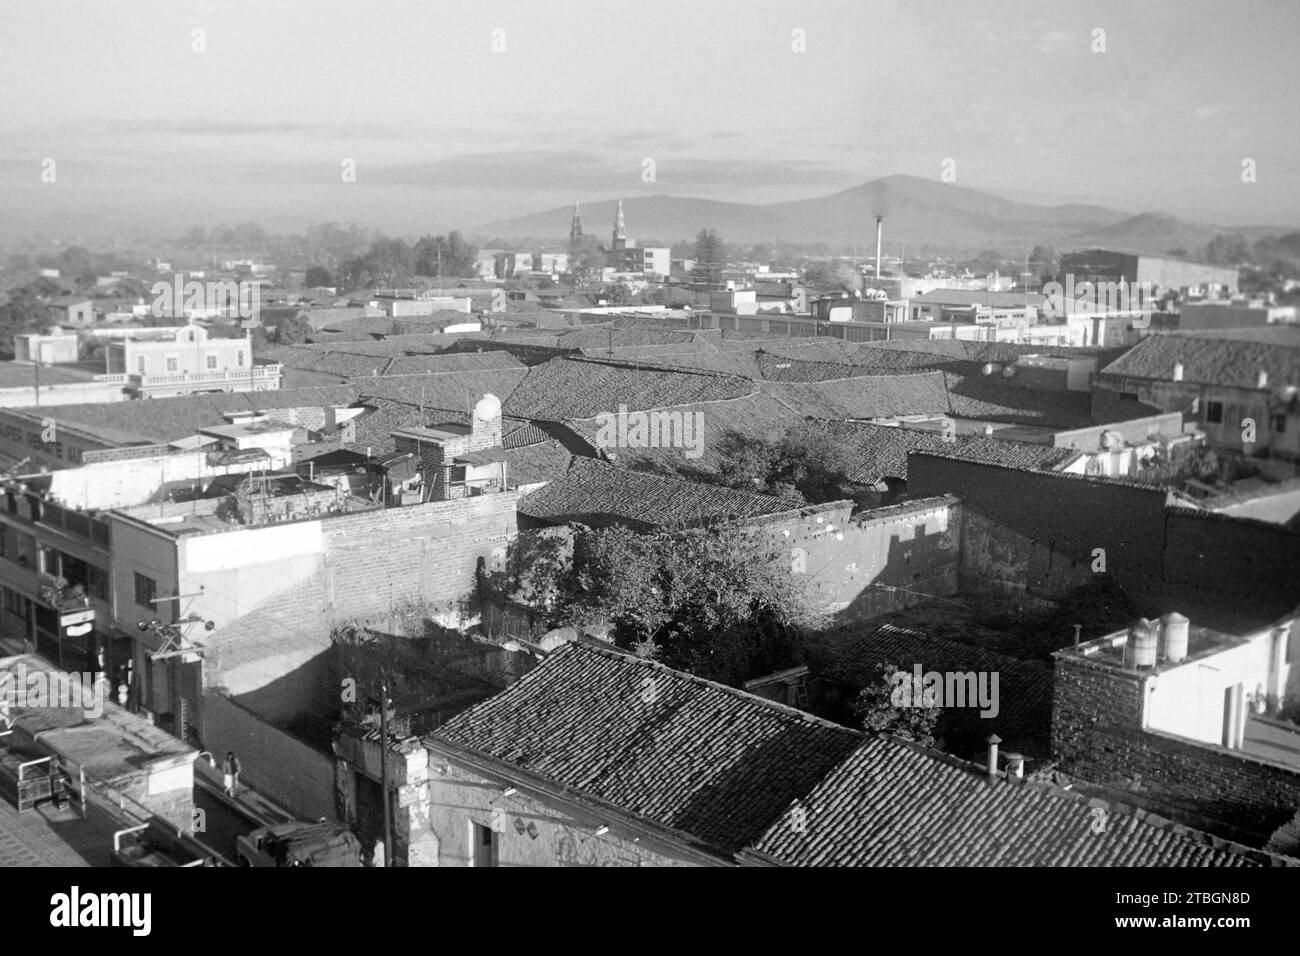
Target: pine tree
x,y
709,260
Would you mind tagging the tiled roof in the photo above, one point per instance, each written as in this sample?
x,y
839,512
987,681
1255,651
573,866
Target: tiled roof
x,y
405,325
394,345
457,389
1215,359
691,357
1024,713
594,492
700,758
167,419
777,368
880,451
895,804
577,388
989,397
871,396
594,341
539,461
452,362
756,416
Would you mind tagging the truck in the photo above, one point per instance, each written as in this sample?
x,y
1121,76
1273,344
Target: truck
x,y
299,844
157,844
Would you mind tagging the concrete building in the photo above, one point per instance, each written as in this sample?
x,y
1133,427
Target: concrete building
x,y
187,362
1242,387
1162,275
1179,713
57,347
963,306
71,311
1194,316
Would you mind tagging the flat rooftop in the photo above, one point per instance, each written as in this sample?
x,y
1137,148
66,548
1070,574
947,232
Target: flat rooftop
x,y
1113,650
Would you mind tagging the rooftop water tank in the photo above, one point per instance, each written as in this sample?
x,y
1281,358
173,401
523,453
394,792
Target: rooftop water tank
x,y
1143,641
1174,628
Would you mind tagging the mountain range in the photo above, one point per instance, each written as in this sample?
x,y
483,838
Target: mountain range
x,y
919,212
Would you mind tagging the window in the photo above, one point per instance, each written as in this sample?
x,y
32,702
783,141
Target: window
x,y
1214,413
173,363
212,363
1279,423
139,364
51,562
146,589
239,359
484,844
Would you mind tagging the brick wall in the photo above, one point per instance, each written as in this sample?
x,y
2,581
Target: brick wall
x,y
1039,530
1097,736
882,560
427,552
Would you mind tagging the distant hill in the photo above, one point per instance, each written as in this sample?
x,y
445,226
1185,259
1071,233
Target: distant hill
x,y
917,211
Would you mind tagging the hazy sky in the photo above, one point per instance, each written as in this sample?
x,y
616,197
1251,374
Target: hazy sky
x,y
147,133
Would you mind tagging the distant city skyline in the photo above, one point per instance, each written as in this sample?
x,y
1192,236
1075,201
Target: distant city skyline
x,y
148,134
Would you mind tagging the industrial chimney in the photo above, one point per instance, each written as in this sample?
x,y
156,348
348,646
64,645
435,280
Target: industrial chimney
x,y
880,232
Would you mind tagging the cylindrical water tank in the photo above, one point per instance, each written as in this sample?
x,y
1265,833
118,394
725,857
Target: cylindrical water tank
x,y
1173,628
1143,641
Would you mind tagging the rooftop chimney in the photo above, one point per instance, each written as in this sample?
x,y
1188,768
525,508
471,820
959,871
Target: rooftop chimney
x,y
880,229
993,740
1015,765
1178,371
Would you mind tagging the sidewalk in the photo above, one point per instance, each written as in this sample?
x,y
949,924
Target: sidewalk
x,y
247,802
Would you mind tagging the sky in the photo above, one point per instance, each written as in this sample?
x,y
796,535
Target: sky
x,y
450,124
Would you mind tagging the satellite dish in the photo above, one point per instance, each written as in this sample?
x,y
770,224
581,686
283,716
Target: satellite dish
x,y
488,408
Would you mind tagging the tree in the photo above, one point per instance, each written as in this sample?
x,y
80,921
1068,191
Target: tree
x,y
1044,264
715,601
291,330
710,259
615,293
889,705
384,263
448,255
22,313
1227,251
586,259
317,276
804,463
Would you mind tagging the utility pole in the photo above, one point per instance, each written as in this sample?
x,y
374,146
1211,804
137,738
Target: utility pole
x,y
383,771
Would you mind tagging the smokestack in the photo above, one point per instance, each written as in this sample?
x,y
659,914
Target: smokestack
x,y
880,231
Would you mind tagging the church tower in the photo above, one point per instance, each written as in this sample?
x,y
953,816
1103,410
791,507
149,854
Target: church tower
x,y
620,230
575,230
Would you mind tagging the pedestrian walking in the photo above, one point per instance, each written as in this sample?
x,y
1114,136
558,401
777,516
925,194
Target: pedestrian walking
x,y
231,771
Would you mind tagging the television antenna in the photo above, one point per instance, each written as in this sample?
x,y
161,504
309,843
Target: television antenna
x,y
174,638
